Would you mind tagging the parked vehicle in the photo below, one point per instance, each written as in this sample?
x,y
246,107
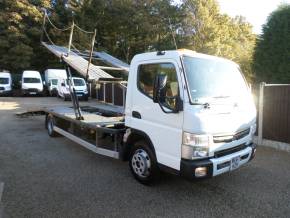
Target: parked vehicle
x,y
31,83
5,84
186,113
80,87
52,76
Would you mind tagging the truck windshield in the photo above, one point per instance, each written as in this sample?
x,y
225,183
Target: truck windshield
x,y
31,80
213,78
78,82
54,82
4,81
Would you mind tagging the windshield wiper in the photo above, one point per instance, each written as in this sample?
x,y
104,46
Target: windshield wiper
x,y
222,96
205,105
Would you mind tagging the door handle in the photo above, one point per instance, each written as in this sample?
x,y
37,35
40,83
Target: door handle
x,y
136,114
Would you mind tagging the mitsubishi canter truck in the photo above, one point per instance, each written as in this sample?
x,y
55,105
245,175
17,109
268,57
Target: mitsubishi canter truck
x,y
186,113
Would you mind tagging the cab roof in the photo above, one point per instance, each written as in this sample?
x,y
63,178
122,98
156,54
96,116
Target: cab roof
x,y
31,73
5,74
174,54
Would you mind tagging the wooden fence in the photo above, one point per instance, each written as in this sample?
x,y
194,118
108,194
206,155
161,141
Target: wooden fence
x,y
112,92
274,113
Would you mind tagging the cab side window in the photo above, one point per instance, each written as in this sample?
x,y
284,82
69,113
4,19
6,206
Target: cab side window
x,y
147,74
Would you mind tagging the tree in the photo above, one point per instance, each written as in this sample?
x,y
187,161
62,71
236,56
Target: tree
x,y
20,29
272,53
208,31
126,27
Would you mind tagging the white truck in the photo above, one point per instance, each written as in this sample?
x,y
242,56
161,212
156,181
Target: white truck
x,y
52,77
186,113
5,83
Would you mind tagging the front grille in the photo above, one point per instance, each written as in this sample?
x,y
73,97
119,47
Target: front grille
x,y
2,88
229,151
230,138
32,90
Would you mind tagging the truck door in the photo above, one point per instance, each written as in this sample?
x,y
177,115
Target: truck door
x,y
164,129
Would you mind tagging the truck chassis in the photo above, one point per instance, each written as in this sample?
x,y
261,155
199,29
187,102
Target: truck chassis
x,y
101,131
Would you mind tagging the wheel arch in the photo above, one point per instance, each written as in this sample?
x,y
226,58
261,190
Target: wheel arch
x,y
134,135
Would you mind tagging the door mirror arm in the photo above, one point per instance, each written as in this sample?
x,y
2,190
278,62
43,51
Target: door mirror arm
x,y
178,106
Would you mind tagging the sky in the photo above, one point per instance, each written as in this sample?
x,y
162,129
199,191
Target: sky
x,y
255,11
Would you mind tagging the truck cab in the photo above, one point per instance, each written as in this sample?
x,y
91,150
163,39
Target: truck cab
x,y
52,76
5,83
189,113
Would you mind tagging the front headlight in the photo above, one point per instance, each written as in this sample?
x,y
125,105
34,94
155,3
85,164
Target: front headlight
x,y
195,146
253,129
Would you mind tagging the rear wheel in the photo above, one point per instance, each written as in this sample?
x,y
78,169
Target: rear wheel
x,y
50,126
143,163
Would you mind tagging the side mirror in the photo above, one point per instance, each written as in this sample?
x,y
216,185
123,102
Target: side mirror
x,y
159,96
159,88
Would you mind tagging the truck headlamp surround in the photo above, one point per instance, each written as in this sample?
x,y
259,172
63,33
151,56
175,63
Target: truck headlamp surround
x,y
253,129
195,146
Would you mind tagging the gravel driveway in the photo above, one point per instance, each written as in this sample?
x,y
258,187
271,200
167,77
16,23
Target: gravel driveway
x,y
54,177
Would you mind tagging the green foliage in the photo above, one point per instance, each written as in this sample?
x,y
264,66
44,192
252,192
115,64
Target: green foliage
x,y
272,54
208,31
20,28
124,28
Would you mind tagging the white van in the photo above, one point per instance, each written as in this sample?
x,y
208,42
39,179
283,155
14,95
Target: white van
x,y
52,76
79,85
31,83
5,83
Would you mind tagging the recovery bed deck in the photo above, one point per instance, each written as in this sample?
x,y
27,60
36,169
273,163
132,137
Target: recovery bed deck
x,y
101,131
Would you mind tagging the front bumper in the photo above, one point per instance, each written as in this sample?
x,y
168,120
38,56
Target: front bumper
x,y
5,92
216,166
31,91
79,95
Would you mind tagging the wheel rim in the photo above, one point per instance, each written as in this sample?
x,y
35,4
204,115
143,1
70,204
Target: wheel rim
x,y
141,163
50,126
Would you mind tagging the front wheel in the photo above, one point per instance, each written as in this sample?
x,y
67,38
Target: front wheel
x,y
143,163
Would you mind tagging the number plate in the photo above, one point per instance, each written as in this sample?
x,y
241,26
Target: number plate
x,y
235,162
32,93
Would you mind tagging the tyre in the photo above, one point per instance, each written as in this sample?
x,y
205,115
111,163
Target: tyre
x,y
143,163
49,126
